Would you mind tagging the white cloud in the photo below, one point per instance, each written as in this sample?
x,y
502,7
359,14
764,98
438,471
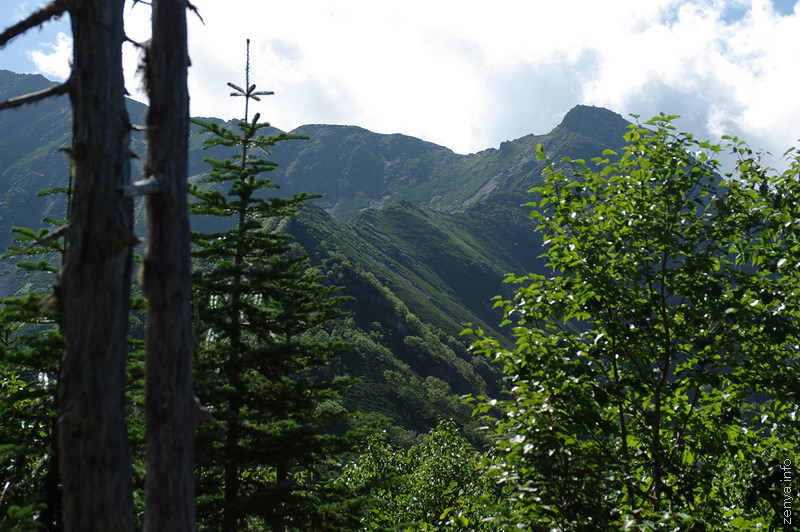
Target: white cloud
x,y
743,71
55,62
469,74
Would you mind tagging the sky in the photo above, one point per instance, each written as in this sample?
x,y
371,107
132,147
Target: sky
x,y
471,74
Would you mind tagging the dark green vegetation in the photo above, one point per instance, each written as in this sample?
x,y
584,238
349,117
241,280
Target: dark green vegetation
x,y
31,348
644,376
418,268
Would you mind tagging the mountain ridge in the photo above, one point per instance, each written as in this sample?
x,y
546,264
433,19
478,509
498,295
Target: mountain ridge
x,y
420,236
354,168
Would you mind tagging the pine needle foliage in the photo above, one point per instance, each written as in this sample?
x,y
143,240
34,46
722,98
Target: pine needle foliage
x,y
30,349
31,346
259,310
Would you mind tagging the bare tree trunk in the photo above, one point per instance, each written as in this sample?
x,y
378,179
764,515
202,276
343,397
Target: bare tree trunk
x,y
95,281
169,400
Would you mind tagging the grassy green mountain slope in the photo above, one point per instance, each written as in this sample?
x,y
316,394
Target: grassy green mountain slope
x,y
30,160
418,274
421,237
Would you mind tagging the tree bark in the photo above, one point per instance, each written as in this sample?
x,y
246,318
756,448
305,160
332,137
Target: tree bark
x,y
169,401
94,287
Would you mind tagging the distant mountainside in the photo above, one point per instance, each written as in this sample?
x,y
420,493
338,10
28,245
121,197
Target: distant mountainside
x,y
356,169
422,237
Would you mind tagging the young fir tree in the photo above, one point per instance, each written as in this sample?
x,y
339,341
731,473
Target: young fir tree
x,y
256,302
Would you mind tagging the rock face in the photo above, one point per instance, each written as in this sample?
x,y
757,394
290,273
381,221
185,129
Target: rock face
x,y
596,123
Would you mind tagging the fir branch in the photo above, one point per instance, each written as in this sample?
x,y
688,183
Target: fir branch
x,y
58,233
33,242
55,90
52,10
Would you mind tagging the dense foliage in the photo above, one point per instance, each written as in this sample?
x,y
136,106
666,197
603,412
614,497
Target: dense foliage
x,y
259,308
438,484
31,345
654,379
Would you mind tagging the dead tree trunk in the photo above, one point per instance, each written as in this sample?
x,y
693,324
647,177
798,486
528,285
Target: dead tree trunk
x,y
169,400
95,281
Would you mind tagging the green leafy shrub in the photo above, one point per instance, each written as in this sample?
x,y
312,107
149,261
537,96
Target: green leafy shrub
x,y
654,379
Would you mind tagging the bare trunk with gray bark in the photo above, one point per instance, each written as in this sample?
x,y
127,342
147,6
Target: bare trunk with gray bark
x,y
169,401
95,281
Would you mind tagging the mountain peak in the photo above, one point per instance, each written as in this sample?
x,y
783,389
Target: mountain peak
x,y
595,122
13,84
